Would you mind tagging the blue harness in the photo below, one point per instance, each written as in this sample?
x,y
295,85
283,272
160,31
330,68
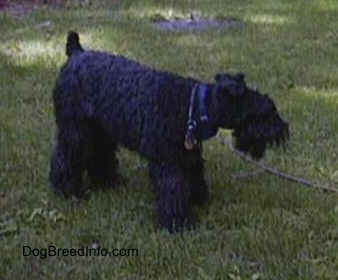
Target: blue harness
x,y
198,128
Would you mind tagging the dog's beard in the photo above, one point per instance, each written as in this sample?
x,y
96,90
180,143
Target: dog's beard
x,y
254,138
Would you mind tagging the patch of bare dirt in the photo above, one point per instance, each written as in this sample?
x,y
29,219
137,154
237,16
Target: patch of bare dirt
x,y
195,23
21,8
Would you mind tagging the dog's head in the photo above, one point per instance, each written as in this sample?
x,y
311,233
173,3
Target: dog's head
x,y
252,116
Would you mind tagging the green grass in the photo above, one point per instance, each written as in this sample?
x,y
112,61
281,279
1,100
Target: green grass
x,y
258,227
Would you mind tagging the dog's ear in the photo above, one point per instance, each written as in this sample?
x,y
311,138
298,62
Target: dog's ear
x,y
217,77
233,84
240,76
224,77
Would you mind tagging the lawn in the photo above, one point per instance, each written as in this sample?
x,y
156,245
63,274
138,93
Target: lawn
x,y
252,227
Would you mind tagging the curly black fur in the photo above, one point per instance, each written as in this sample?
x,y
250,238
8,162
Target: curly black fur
x,y
102,100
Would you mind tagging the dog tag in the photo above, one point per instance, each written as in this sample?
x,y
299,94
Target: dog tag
x,y
190,141
189,145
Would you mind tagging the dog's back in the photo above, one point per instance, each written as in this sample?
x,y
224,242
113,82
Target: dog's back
x,y
92,82
120,63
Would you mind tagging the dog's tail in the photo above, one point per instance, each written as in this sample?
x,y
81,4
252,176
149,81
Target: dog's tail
x,y
73,43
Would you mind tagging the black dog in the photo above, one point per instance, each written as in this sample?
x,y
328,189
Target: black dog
x,y
102,100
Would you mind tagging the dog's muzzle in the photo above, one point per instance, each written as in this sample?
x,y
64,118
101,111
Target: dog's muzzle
x,y
254,137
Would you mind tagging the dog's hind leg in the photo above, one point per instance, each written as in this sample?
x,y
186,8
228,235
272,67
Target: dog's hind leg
x,y
68,160
171,195
101,160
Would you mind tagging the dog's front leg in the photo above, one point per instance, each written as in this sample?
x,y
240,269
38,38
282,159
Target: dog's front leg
x,y
171,195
